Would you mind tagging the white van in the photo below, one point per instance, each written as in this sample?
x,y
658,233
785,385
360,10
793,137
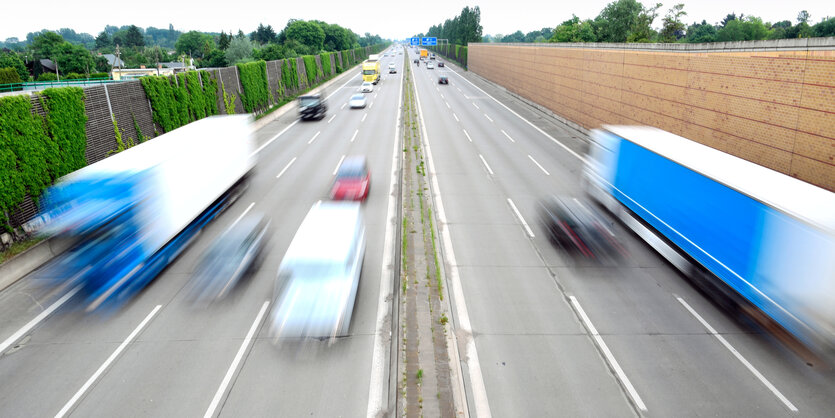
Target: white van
x,y
319,275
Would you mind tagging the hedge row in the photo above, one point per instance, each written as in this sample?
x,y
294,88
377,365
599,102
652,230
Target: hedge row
x,y
178,100
34,152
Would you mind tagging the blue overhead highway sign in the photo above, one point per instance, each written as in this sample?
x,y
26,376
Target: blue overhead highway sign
x,y
429,41
414,41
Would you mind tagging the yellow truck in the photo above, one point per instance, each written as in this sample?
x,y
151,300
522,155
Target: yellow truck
x,y
371,69
423,53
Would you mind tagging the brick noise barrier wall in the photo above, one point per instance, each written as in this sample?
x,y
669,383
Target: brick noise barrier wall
x,y
769,102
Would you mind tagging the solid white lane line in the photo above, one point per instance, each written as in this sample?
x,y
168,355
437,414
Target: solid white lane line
x,y
343,106
242,214
519,215
476,106
488,117
489,170
314,137
467,135
273,138
355,135
508,136
382,334
540,167
329,120
461,318
36,320
565,147
739,357
335,169
447,105
286,167
364,115
610,358
234,366
69,405
456,117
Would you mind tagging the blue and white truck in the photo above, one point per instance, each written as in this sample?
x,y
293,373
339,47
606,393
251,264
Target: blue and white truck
x,y
131,214
767,237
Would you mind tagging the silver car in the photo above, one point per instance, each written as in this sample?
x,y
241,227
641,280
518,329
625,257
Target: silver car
x,y
357,101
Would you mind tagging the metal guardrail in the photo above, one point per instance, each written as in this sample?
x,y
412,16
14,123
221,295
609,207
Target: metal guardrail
x,y
40,85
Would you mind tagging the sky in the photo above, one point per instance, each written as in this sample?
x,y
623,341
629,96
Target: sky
x,y
391,20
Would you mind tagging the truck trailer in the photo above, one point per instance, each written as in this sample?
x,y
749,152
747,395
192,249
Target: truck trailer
x,y
371,69
763,238
131,214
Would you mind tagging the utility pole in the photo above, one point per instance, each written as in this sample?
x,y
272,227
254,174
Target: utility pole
x,y
117,62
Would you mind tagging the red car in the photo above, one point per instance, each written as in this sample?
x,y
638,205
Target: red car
x,y
352,180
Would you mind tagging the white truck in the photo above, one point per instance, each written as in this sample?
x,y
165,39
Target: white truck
x,y
131,214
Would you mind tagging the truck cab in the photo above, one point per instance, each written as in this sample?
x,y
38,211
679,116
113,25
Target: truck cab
x,y
371,69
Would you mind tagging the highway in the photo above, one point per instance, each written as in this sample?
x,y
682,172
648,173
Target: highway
x,y
558,338
539,334
189,361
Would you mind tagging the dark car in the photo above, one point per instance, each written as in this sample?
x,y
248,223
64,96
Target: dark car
x,y
417,61
443,80
579,229
312,106
352,180
440,64
231,257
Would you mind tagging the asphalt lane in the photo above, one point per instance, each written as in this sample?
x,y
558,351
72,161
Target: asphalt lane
x,y
177,361
516,287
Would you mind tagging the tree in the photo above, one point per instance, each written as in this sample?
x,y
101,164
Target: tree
x,y
216,59
673,28
729,18
270,52
240,50
803,17
74,59
825,28
701,32
193,43
223,41
573,30
642,30
264,34
103,40
134,37
46,44
517,36
305,33
747,29
616,20
12,60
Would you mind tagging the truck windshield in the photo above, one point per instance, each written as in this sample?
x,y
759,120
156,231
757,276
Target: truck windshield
x,y
369,72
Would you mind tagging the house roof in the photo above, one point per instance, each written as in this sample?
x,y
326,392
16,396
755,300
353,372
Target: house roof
x,y
113,61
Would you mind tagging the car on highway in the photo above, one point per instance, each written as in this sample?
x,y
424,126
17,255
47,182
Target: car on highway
x,y
392,69
443,80
232,256
430,65
352,180
312,106
357,101
367,87
417,61
317,282
579,229
440,63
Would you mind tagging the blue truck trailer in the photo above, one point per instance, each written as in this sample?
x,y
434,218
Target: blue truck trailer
x,y
767,237
132,214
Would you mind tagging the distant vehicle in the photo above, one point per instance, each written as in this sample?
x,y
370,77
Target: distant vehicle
x,y
443,80
430,65
352,180
371,69
392,68
417,61
440,63
367,87
423,53
357,101
758,236
317,281
132,214
312,106
232,256
432,56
